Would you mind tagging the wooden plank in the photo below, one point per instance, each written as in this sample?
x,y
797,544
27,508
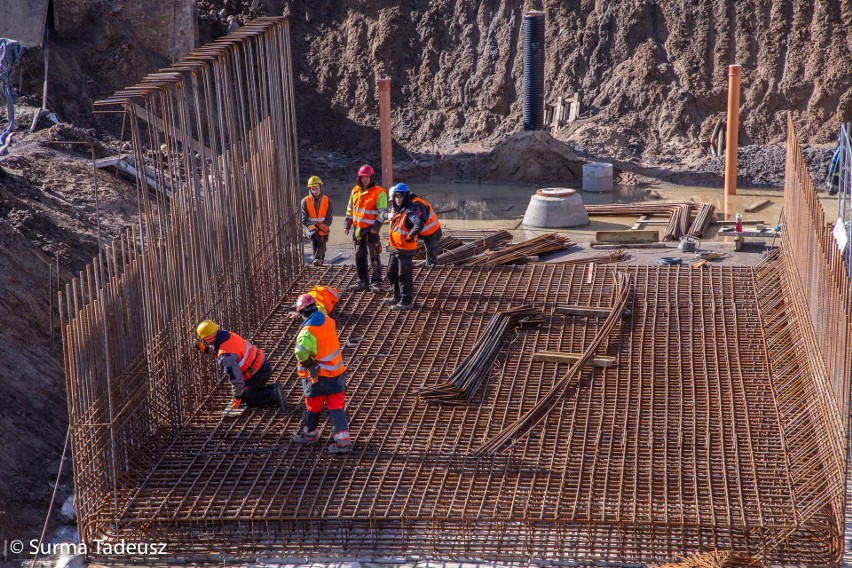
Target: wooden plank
x,y
758,206
557,357
614,246
639,222
627,236
582,311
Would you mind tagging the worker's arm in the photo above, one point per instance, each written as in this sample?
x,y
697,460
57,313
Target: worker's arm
x,y
306,220
347,223
382,207
416,222
306,345
230,365
329,214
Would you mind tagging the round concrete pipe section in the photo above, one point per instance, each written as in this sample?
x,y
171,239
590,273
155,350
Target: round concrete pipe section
x,y
597,177
555,207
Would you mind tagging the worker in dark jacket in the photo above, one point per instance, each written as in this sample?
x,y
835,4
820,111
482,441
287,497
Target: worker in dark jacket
x,y
316,219
405,224
323,373
245,366
431,233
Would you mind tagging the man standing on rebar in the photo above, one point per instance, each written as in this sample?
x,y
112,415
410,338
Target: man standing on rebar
x,y
323,373
405,224
316,219
431,233
366,203
245,366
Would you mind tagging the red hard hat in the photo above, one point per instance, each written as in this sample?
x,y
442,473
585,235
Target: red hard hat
x,y
366,170
304,301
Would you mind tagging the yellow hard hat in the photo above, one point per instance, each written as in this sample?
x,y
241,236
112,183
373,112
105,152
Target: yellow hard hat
x,y
314,180
206,329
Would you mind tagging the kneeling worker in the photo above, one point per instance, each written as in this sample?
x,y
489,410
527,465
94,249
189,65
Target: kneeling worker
x,y
320,365
245,366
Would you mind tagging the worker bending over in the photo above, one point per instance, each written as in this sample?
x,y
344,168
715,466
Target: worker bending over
x,y
326,298
367,203
320,366
316,219
405,224
244,364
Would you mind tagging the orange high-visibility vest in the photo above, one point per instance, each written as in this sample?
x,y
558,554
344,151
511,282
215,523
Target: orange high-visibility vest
x,y
251,358
313,215
431,224
398,232
325,296
364,205
328,350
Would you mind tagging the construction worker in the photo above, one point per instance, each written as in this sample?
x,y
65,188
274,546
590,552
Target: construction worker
x,y
244,364
367,203
431,233
316,219
323,373
405,224
326,298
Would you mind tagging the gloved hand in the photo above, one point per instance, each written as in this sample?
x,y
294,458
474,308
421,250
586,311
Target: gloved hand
x,y
235,408
313,369
204,347
347,225
322,229
408,238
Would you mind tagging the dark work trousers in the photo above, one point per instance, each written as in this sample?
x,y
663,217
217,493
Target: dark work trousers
x,y
369,246
400,275
317,244
258,390
431,244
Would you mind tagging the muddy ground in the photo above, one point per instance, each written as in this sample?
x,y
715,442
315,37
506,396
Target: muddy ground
x,y
651,78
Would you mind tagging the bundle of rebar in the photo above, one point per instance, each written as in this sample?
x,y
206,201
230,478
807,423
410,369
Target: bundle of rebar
x,y
679,215
523,425
476,367
540,245
465,252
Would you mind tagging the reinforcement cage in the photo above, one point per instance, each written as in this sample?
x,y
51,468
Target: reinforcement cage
x,y
216,133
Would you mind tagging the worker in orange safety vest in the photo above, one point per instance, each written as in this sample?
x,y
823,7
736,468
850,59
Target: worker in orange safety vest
x,y
316,219
431,233
368,202
323,373
405,225
326,298
245,366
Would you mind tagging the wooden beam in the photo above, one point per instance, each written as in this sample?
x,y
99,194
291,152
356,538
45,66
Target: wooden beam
x,y
582,311
557,357
627,236
758,206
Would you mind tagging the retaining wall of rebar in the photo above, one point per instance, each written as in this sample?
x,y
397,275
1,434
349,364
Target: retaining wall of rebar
x,y
217,133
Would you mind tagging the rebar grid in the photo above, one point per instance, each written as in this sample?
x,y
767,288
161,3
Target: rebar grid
x,y
676,449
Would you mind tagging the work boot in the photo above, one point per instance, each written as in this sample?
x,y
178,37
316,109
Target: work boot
x,y
279,395
376,288
342,443
403,306
390,301
317,262
305,437
359,287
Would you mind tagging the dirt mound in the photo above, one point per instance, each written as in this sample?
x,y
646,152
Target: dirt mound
x,y
533,157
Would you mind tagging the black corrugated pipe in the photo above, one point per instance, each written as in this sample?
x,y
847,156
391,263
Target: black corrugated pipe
x,y
533,70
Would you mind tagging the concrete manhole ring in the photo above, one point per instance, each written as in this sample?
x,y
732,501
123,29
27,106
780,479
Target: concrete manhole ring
x,y
555,192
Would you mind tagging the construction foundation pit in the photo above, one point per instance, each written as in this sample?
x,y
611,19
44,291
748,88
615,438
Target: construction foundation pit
x,y
718,426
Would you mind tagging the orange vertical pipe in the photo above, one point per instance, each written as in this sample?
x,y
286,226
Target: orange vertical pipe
x,y
734,74
386,132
